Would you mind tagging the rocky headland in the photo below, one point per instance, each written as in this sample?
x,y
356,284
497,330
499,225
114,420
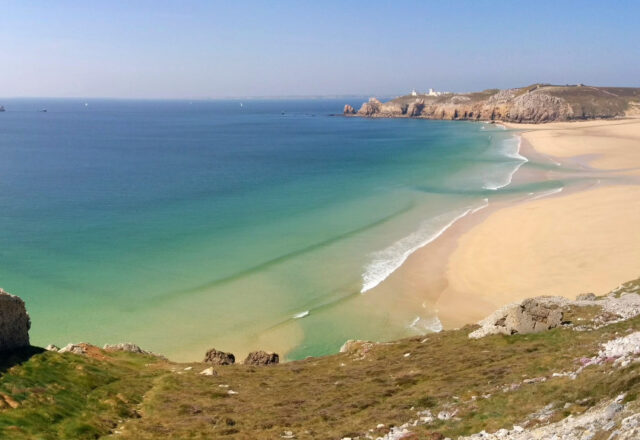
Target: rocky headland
x,y
537,103
543,368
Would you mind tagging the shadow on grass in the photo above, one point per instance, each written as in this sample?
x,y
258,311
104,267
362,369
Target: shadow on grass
x,y
14,357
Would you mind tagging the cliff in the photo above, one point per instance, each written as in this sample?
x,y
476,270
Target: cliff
x,y
14,322
547,366
534,104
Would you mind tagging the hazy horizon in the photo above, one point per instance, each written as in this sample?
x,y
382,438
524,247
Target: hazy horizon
x,y
199,50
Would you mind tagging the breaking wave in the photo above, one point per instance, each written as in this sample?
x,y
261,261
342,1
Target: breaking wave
x,y
388,260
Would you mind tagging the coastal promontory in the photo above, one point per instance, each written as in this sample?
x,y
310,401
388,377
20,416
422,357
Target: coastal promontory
x,y
537,103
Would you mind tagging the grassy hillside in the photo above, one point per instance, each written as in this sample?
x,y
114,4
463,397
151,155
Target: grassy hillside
x,y
489,383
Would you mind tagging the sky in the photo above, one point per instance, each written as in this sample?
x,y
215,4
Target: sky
x,y
216,49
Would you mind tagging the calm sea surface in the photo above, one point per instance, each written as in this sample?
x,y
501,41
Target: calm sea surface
x,y
188,225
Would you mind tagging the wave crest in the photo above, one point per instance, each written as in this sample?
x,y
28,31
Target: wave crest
x,y
388,260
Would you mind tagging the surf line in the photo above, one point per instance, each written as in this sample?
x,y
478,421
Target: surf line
x,y
388,260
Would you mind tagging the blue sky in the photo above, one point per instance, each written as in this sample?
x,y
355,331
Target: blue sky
x,y
206,49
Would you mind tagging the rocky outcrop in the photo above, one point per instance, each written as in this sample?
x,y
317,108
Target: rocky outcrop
x,y
547,312
216,357
357,347
531,316
602,418
371,108
587,297
533,104
14,322
80,348
125,346
261,358
348,110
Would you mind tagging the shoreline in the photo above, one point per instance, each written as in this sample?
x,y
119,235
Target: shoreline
x,y
553,243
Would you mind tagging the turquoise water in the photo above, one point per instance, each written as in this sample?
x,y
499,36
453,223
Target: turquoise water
x,y
187,225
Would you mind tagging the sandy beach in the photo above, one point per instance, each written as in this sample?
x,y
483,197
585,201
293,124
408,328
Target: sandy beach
x,y
583,239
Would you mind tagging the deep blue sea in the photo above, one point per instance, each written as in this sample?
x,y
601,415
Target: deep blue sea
x,y
183,225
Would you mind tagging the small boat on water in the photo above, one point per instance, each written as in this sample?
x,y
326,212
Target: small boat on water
x,y
44,110
2,108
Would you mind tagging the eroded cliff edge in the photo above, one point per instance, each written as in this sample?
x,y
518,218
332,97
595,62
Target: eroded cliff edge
x,y
537,103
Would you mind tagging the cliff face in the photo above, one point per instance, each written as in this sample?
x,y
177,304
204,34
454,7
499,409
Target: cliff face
x,y
535,104
14,322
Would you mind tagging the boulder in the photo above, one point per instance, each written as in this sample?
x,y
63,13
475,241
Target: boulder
x,y
14,322
586,297
356,346
216,357
531,316
74,348
261,358
208,372
52,347
125,346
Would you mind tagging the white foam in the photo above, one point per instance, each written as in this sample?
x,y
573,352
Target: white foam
x,y
511,150
430,324
388,260
546,193
301,314
486,203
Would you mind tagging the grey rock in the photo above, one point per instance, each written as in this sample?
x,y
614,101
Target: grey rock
x,y
125,346
357,347
613,409
586,297
73,348
14,322
530,316
261,358
216,357
52,347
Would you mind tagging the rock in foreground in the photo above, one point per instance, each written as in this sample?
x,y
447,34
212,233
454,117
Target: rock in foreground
x,y
261,358
14,322
531,316
216,357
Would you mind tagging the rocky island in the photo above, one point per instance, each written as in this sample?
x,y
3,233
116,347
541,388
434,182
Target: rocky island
x,y
533,104
543,368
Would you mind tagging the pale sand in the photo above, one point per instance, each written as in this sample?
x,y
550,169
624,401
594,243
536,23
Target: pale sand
x,y
565,244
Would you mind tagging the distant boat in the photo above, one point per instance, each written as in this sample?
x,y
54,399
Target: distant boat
x,y
241,105
44,110
2,108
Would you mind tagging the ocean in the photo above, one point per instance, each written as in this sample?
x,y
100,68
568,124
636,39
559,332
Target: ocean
x,y
184,225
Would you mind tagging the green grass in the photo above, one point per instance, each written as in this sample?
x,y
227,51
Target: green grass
x,y
70,396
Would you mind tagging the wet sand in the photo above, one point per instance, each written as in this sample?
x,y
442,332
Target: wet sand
x,y
585,238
